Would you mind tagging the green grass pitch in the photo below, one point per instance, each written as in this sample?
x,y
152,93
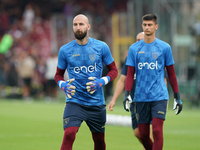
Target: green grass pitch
x,y
38,126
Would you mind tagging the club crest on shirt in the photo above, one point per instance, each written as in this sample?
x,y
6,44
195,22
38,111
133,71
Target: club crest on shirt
x,y
92,57
154,56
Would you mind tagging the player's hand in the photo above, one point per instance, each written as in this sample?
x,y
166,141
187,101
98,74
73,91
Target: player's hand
x,y
127,101
111,105
94,84
177,103
68,88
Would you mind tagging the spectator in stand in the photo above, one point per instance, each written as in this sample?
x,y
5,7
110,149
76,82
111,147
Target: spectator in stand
x,y
26,68
51,86
28,17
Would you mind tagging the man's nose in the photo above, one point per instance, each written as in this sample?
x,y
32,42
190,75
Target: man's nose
x,y
146,27
78,26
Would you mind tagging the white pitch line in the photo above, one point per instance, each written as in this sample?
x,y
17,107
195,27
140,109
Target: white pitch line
x,y
118,120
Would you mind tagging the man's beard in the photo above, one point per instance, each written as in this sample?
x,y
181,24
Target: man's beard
x,y
149,34
80,35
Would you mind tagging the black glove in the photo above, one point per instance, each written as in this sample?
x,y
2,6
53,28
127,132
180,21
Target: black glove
x,y
127,101
177,103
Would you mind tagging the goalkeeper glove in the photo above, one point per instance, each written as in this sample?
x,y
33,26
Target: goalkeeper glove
x,y
96,83
67,87
177,103
127,101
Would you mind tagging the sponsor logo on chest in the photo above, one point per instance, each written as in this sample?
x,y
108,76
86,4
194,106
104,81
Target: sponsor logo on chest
x,y
146,65
86,69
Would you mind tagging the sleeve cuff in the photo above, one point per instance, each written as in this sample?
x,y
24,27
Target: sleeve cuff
x,y
106,79
60,83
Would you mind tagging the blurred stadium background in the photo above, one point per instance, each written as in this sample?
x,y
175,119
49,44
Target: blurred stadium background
x,y
32,31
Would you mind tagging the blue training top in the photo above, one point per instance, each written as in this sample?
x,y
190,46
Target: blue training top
x,y
124,72
149,60
81,62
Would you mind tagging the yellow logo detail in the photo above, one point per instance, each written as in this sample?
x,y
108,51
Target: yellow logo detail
x,y
161,112
137,116
75,55
66,121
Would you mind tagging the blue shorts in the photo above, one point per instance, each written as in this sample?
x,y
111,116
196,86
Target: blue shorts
x,y
94,116
146,111
133,117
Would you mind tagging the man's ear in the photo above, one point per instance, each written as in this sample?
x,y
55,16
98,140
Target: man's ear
x,y
89,26
157,26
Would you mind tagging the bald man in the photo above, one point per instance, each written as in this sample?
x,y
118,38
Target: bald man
x,y
140,36
83,58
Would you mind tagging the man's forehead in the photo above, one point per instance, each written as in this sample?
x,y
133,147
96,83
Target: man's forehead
x,y
147,22
81,18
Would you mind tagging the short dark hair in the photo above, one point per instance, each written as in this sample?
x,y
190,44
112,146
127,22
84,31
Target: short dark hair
x,y
150,17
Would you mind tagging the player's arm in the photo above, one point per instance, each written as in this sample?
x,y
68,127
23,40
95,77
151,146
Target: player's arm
x,y
64,85
112,71
128,86
174,84
166,81
59,75
96,83
165,77
118,90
